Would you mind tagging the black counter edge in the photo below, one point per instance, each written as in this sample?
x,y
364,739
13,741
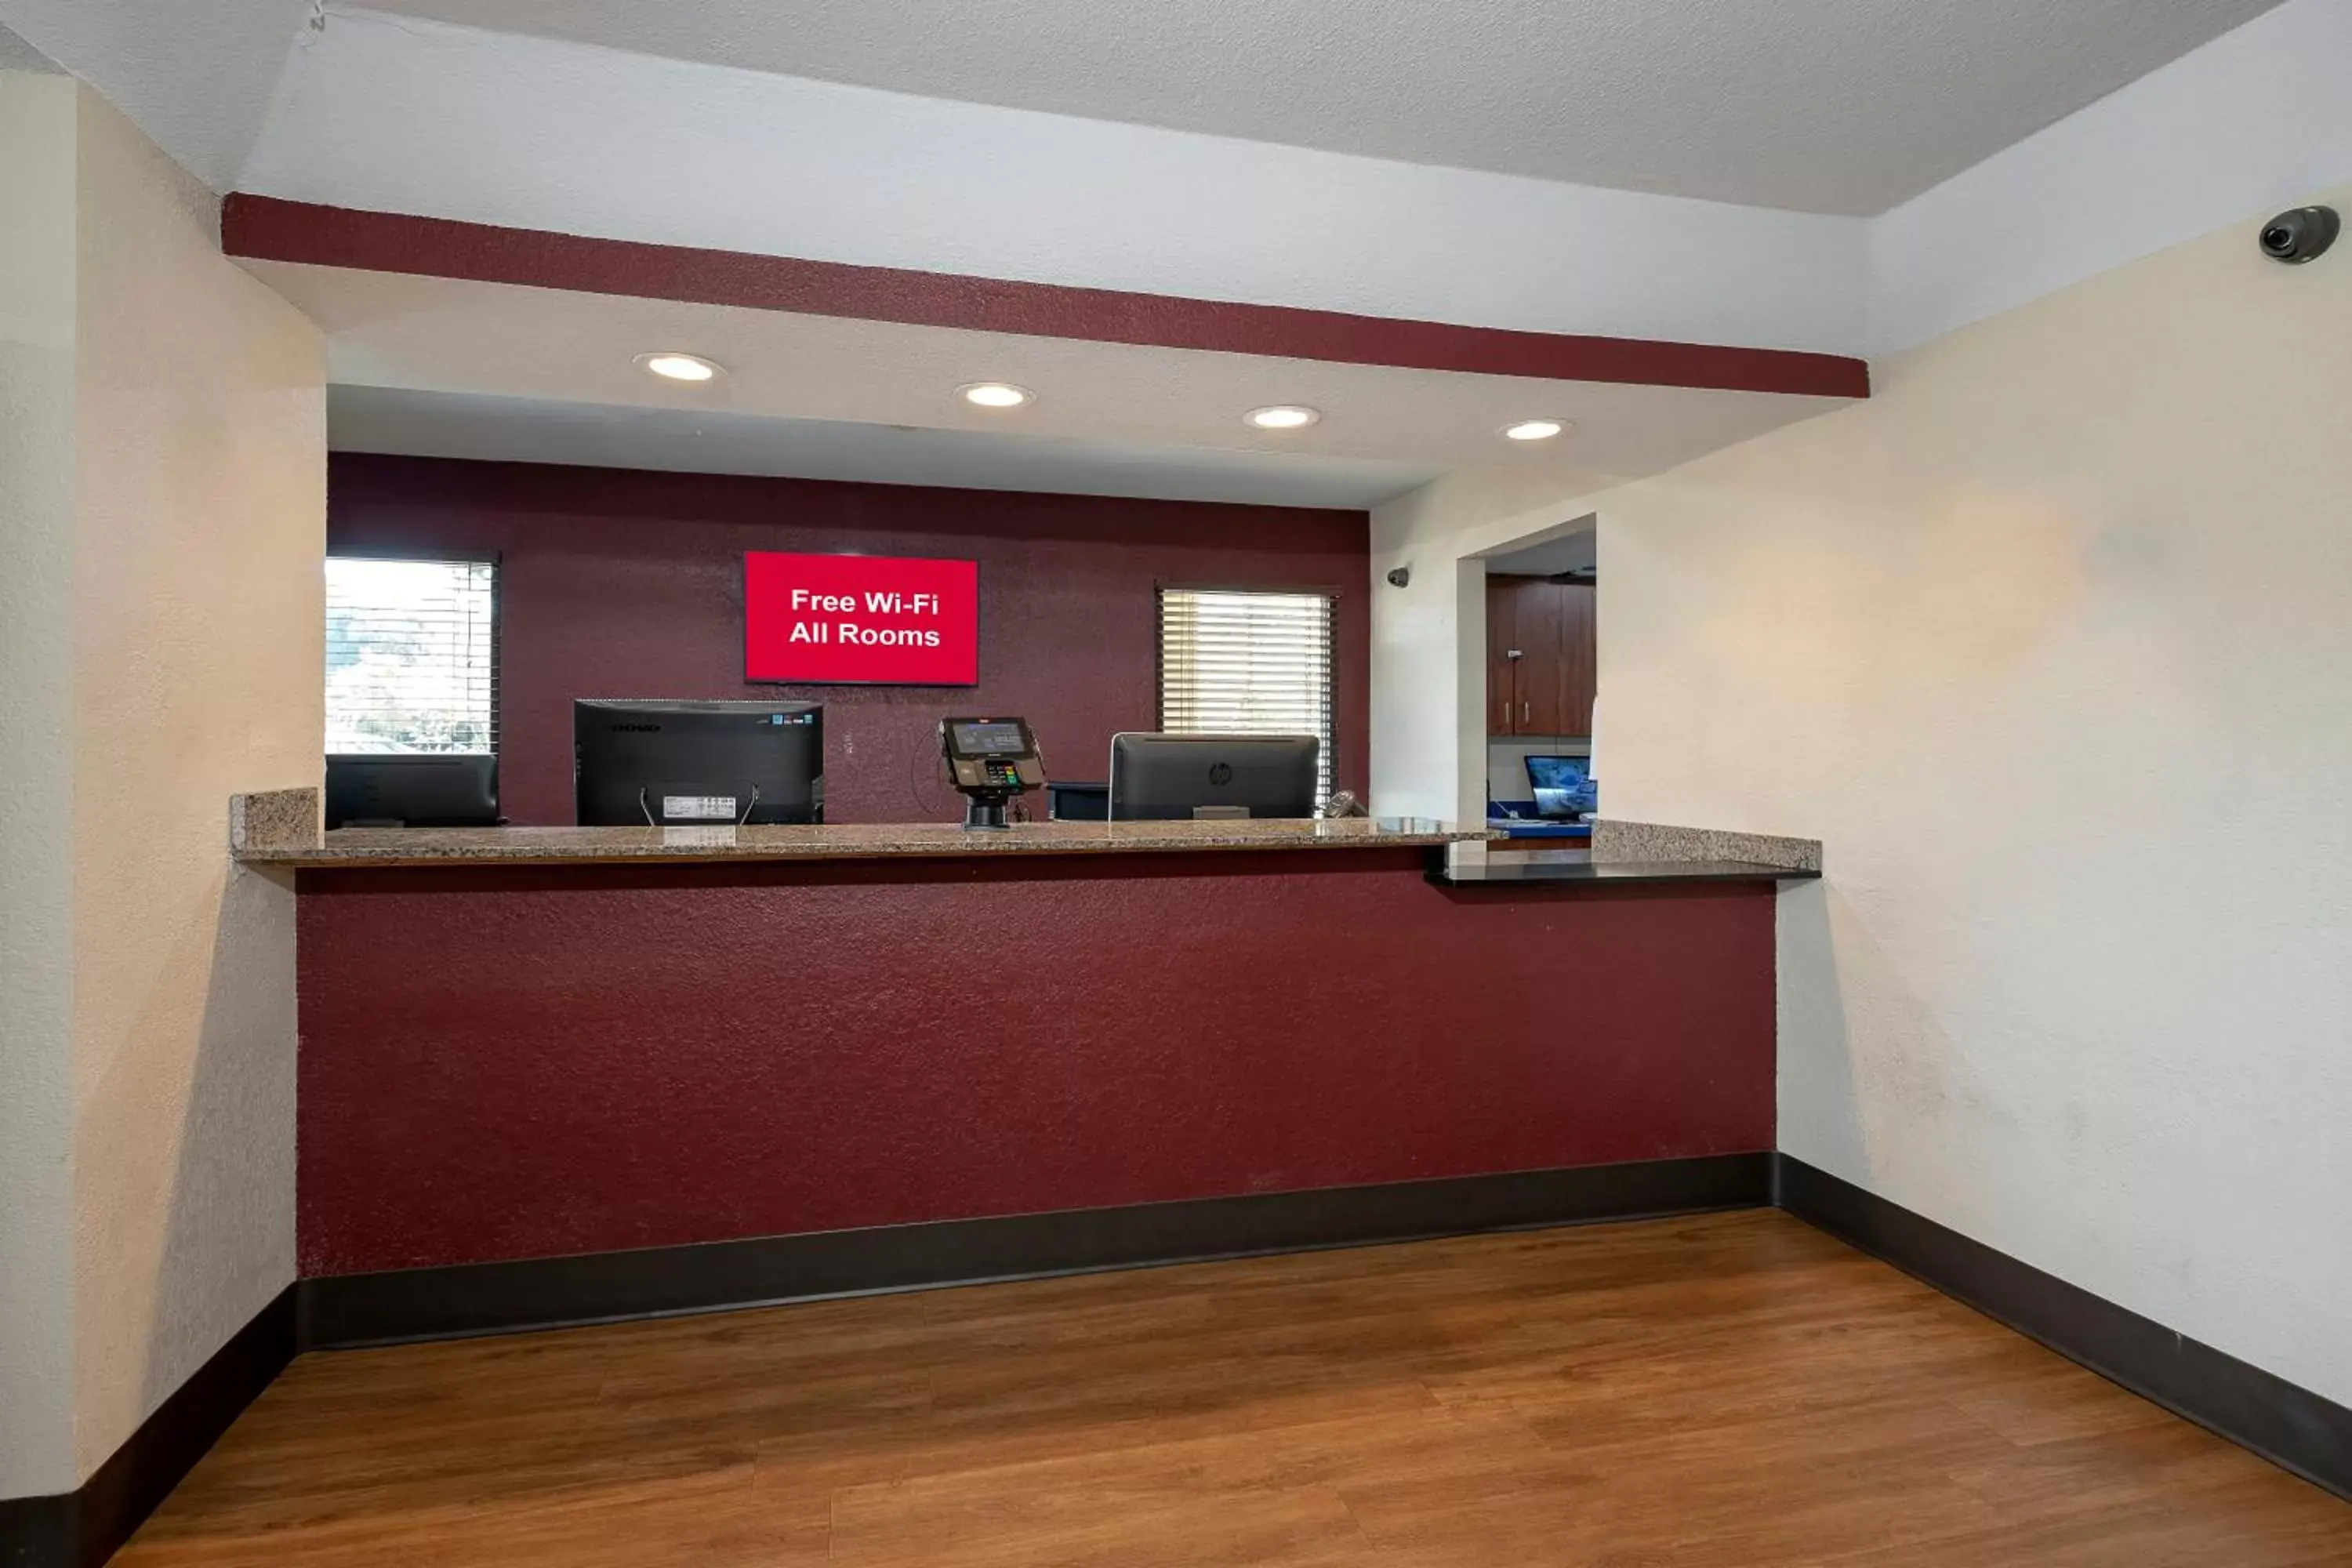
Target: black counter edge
x,y
2290,1426
1516,872
341,1311
82,1529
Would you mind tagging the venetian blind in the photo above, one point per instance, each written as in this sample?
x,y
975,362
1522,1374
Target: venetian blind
x,y
412,662
1237,663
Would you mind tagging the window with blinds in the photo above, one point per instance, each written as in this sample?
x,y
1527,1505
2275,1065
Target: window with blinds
x,y
1239,663
412,655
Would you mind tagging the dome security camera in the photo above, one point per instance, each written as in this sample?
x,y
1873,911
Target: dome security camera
x,y
2300,234
1398,576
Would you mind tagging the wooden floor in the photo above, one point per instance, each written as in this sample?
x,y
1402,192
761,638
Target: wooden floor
x,y
1735,1390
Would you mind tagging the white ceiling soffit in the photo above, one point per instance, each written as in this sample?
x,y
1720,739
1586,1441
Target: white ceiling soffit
x,y
1831,106
397,115
196,74
1379,424
689,440
1574,552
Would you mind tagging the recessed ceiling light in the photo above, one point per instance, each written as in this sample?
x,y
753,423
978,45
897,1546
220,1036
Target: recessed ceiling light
x,y
1535,430
1283,416
996,394
680,367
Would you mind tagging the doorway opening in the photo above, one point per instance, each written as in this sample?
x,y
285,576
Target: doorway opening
x,y
1542,664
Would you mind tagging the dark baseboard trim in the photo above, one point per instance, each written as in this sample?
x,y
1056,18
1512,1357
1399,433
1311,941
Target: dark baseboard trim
x,y
549,1292
2289,1425
37,1531
82,1529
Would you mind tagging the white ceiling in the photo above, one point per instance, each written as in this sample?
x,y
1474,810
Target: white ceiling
x,y
697,441
1829,106
549,375
196,75
16,54
1833,106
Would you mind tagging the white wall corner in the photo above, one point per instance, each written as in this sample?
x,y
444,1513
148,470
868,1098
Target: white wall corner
x,y
38,297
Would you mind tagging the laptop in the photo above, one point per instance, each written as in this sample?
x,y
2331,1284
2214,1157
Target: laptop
x,y
1563,786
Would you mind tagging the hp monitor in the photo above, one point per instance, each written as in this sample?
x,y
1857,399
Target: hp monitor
x,y
1158,778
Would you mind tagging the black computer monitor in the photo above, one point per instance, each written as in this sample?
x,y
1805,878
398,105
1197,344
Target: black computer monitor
x,y
412,789
672,765
1157,778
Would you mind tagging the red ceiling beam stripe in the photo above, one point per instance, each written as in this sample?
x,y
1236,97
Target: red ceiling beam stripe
x,y
264,228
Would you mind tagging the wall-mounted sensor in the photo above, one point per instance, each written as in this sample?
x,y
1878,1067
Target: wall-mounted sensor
x,y
2300,234
1400,575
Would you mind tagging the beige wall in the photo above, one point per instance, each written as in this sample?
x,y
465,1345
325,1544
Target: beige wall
x,y
36,500
198,643
182,576
2051,643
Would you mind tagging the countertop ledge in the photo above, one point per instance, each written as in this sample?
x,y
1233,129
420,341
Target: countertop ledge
x,y
362,846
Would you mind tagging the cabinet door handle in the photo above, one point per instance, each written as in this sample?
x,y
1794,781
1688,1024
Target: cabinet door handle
x,y
1523,710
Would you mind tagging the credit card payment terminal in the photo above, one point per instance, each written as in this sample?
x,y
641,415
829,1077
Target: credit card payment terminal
x,y
992,761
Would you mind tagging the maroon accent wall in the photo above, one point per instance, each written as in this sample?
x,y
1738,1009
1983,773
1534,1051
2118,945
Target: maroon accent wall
x,y
265,229
509,1063
623,584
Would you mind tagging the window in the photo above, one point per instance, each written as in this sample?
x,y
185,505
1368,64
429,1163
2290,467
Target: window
x,y
1234,663
412,655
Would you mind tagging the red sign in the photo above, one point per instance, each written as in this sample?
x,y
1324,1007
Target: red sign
x,y
868,620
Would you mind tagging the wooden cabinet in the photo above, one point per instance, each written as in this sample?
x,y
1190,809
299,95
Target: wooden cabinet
x,y
1535,630
1579,657
1502,651
1540,657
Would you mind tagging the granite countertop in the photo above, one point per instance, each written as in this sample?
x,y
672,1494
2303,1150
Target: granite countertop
x,y
858,841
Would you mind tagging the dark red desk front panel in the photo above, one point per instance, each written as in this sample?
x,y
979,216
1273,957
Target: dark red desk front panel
x,y
502,1063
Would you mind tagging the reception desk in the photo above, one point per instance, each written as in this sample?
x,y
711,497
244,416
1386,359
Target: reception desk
x,y
784,1061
